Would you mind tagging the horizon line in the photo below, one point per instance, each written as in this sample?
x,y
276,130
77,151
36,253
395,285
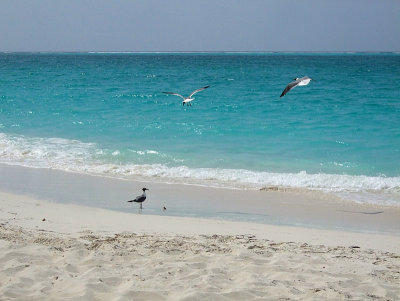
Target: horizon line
x,y
194,51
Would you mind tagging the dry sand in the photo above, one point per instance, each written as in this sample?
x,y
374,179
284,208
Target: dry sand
x,y
52,251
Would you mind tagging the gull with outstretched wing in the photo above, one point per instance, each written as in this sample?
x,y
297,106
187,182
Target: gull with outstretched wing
x,y
303,81
187,100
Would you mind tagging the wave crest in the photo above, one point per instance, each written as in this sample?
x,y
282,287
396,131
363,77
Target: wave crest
x,y
81,157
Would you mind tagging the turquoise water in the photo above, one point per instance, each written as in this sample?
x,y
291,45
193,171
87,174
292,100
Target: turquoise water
x,y
104,113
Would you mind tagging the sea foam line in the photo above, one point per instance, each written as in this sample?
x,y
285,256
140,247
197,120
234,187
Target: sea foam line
x,y
89,158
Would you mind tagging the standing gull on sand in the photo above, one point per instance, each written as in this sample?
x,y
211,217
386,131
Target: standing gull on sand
x,y
187,100
304,81
140,199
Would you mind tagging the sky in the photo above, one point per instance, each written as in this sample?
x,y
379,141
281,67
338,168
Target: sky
x,y
199,25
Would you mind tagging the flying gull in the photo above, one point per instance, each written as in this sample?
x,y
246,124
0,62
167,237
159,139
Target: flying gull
x,y
304,81
187,100
140,199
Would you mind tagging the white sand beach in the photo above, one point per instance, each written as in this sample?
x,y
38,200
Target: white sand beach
x,y
55,251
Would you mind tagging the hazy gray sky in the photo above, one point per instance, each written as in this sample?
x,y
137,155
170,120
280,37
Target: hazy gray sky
x,y
199,25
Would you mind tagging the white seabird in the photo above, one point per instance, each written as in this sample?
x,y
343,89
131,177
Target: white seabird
x,y
187,100
140,199
304,81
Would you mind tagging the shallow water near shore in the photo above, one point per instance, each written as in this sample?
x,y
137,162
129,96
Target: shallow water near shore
x,y
105,114
303,209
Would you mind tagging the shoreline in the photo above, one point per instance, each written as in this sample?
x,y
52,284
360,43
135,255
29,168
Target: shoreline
x,y
62,238
282,208
72,219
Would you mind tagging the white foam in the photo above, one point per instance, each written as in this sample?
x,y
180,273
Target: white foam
x,y
77,156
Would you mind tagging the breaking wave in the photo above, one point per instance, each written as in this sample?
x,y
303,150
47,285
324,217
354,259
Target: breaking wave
x,y
89,158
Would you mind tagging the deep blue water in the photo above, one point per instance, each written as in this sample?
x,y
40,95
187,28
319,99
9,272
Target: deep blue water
x,y
106,114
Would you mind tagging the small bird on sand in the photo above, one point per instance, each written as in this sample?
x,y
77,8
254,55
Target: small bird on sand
x,y
303,81
187,100
140,199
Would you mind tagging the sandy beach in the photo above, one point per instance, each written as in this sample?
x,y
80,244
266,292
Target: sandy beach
x,y
56,251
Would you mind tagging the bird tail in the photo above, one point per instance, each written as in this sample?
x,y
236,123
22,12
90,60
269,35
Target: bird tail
x,y
130,201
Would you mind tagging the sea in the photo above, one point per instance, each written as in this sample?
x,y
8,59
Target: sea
x,y
105,114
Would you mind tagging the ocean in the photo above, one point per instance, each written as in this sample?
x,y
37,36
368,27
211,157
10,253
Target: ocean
x,y
105,114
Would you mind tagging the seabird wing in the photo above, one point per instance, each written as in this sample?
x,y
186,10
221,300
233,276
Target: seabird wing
x,y
173,93
289,87
140,199
135,199
198,90
304,81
